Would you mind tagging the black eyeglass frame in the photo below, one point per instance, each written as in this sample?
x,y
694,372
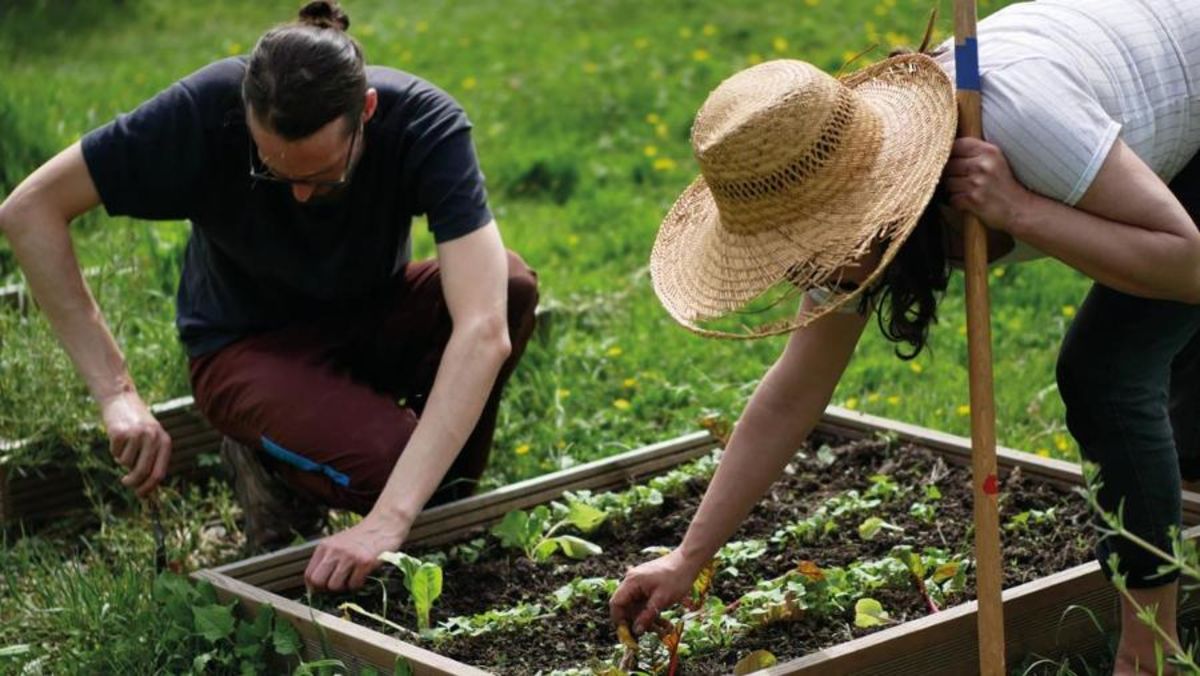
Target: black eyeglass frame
x,y
265,174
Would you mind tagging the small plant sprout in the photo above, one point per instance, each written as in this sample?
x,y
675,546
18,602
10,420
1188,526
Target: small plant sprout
x,y
870,613
1025,521
533,533
868,529
422,579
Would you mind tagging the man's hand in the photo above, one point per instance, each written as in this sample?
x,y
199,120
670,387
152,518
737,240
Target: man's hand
x,y
980,182
137,441
344,560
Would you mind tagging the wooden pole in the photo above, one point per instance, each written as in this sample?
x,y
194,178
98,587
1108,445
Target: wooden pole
x,y
989,577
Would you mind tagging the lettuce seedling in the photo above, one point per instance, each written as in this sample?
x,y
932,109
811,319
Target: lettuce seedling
x,y
422,579
533,533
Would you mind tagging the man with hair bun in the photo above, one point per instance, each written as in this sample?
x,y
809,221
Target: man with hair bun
x,y
341,372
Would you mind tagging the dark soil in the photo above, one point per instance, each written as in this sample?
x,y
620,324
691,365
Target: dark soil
x,y
576,637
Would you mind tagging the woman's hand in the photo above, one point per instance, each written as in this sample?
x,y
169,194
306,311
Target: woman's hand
x,y
137,441
649,589
980,182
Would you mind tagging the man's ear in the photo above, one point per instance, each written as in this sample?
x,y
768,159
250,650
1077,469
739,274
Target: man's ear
x,y
370,103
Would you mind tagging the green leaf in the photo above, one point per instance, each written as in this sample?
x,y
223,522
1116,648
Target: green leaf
x,y
200,662
403,668
577,548
284,638
584,517
544,550
15,650
517,530
868,529
425,584
932,492
256,632
869,613
759,659
213,622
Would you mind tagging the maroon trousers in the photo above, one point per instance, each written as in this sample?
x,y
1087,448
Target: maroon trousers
x,y
331,403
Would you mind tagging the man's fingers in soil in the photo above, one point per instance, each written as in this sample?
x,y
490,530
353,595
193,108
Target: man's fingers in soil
x,y
145,462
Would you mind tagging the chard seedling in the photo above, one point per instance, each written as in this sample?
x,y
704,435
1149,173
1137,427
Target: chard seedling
x,y
422,579
868,529
533,533
870,613
1024,521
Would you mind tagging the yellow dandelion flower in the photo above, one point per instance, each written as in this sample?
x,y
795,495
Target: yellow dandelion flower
x,y
780,44
754,59
1044,452
572,240
660,130
641,43
622,404
998,273
406,55
872,31
852,403
664,164
872,397
709,30
915,366
562,393
422,26
700,55
560,444
615,351
847,55
367,30
523,449
469,82
890,4
963,409
893,400
653,118
812,3
895,39
1068,311
234,48
962,329
650,151
590,68
630,383
1061,442
685,32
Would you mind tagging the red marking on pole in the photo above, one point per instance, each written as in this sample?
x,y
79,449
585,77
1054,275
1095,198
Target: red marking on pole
x,y
990,485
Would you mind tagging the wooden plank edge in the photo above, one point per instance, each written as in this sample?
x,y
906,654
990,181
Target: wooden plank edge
x,y
351,642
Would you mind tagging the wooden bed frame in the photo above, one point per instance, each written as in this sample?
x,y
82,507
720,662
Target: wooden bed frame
x,y
1037,621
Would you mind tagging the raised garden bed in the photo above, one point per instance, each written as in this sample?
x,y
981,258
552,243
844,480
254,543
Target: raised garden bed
x,y
34,495
847,477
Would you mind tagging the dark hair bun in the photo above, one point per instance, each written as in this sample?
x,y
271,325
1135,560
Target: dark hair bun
x,y
324,14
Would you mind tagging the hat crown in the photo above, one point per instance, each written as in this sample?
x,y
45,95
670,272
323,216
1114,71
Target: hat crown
x,y
783,135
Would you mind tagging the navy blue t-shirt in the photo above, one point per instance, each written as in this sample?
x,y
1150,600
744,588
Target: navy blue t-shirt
x,y
258,259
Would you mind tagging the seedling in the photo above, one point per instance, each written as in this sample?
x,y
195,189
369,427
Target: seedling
x,y
533,533
422,579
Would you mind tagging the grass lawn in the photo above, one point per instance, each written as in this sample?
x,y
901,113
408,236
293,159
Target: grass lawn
x,y
582,112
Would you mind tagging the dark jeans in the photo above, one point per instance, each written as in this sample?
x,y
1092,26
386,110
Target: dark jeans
x,y
1129,373
331,404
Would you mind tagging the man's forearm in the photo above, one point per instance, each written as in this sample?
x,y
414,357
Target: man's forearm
x,y
1131,259
43,249
470,364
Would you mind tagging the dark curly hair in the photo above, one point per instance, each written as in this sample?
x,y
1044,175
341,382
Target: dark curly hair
x,y
306,73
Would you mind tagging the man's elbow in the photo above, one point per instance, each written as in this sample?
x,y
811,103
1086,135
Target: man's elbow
x,y
490,333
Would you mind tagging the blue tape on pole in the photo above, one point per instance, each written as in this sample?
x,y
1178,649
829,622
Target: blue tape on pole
x,y
966,65
300,462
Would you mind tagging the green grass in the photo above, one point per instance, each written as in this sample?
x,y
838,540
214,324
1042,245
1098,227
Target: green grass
x,y
582,112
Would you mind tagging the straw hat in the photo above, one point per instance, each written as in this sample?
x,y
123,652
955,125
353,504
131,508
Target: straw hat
x,y
801,173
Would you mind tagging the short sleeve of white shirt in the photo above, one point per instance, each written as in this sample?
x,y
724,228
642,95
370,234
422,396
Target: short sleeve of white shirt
x,y
1053,131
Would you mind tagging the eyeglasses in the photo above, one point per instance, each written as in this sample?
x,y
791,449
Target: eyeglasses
x,y
260,172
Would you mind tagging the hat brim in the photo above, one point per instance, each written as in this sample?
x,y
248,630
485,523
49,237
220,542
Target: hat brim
x,y
702,271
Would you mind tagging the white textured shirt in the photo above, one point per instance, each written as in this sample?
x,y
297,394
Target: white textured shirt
x,y
1061,80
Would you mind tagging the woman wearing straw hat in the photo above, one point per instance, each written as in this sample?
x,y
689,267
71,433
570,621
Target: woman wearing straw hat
x,y
848,189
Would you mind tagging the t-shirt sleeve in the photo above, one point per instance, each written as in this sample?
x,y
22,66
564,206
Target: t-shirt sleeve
x,y
451,188
150,163
1050,127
